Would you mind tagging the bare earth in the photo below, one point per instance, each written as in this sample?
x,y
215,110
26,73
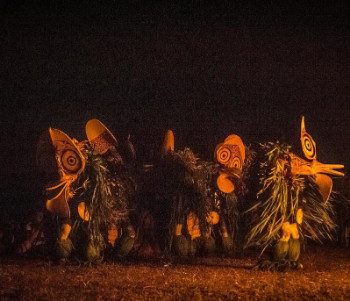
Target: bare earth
x,y
326,276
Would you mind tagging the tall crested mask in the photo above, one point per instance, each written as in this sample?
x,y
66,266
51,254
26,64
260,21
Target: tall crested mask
x,y
314,168
231,155
70,163
168,143
102,140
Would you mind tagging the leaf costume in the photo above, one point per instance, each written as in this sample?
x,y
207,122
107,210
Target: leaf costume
x,y
95,190
179,200
293,199
225,183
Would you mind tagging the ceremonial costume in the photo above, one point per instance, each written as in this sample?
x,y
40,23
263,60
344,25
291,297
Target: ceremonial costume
x,y
293,202
94,194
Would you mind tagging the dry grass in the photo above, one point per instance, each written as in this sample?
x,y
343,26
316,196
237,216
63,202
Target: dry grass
x,y
325,277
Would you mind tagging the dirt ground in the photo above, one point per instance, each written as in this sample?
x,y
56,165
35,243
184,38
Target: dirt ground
x,y
325,276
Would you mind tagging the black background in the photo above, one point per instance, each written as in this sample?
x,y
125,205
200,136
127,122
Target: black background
x,y
203,69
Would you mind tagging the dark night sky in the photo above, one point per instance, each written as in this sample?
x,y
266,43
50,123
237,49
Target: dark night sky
x,y
205,71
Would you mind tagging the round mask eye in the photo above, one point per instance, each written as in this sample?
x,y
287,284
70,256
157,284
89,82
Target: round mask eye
x,y
223,155
309,146
236,163
71,161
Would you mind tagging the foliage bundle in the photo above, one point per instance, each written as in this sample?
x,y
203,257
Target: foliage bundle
x,y
281,195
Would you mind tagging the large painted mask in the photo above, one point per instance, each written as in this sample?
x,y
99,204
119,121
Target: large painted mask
x,y
230,154
312,167
71,163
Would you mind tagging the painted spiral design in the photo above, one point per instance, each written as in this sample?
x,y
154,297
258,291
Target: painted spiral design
x,y
223,155
230,156
71,161
308,146
236,162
